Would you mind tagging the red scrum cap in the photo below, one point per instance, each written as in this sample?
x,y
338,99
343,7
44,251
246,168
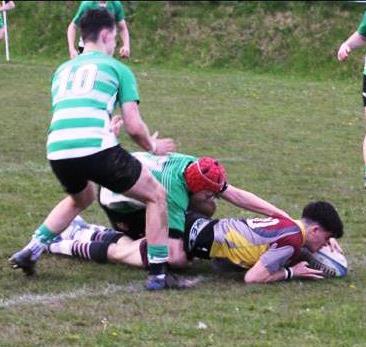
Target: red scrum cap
x,y
206,173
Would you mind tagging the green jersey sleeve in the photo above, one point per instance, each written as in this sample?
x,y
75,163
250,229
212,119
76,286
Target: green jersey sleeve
x,y
362,27
128,90
119,12
84,6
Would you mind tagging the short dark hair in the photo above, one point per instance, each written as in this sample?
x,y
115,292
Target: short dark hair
x,y
323,213
93,22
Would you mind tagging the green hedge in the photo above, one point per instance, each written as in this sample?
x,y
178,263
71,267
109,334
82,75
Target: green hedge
x,y
286,37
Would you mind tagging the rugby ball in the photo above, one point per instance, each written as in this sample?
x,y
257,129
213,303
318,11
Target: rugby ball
x,y
332,263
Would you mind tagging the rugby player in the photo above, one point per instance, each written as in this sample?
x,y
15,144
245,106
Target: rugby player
x,y
82,145
115,8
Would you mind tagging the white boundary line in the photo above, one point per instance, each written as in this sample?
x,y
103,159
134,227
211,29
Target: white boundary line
x,y
34,299
84,292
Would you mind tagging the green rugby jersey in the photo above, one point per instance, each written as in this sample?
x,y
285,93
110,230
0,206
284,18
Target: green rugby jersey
x,y
85,91
115,8
169,170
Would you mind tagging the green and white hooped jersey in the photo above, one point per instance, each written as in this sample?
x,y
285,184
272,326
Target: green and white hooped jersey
x,y
85,91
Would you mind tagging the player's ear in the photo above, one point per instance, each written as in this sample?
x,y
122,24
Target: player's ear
x,y
103,35
313,230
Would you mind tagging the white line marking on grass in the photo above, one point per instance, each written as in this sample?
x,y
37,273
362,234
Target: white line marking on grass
x,y
108,289
32,299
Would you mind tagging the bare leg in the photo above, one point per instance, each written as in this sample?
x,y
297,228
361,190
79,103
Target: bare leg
x,y
148,190
177,256
125,251
67,209
59,218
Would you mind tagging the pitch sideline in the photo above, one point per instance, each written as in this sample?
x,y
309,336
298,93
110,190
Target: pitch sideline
x,y
109,289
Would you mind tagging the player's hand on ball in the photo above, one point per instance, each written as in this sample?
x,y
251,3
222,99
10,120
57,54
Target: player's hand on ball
x,y
303,270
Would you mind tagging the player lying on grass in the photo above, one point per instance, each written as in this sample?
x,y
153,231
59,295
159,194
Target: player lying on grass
x,y
181,175
268,249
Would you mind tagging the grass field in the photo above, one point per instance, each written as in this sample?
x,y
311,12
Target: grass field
x,y
289,140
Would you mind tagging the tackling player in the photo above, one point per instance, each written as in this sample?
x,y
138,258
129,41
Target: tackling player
x,y
181,175
268,249
115,8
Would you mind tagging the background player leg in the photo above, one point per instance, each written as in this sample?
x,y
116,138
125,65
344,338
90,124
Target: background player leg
x,y
58,220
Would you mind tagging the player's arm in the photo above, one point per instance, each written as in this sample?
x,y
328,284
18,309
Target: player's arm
x,y
73,27
71,36
7,6
139,132
132,121
125,37
260,273
251,202
355,41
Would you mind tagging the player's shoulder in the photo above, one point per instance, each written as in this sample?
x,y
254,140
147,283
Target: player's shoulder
x,y
119,66
117,4
294,233
86,4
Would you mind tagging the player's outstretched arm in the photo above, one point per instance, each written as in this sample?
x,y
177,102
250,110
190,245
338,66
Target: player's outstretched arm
x,y
139,132
251,202
356,40
260,274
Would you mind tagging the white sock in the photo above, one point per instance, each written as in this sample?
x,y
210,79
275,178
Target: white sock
x,y
61,247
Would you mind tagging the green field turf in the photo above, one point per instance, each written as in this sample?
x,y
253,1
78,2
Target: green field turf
x,y
287,139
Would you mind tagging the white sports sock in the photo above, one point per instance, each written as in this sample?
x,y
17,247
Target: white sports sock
x,y
61,247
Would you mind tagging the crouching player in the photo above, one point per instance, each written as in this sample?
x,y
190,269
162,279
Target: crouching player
x,y
268,249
